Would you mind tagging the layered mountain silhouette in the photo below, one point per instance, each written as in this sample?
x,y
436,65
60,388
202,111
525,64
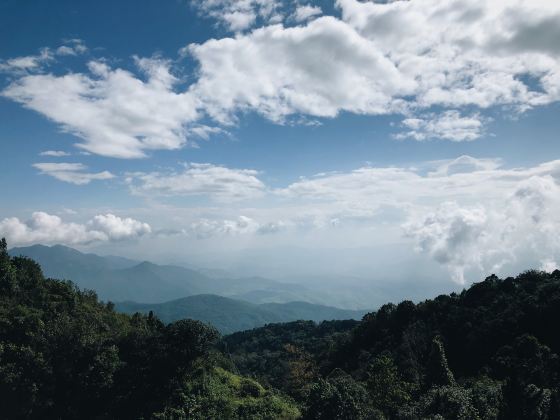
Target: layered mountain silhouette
x,y
174,292
231,315
118,279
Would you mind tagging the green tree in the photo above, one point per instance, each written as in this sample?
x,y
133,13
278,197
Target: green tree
x,y
438,370
388,390
7,271
341,398
448,402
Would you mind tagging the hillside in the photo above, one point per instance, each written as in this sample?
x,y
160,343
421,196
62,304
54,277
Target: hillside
x,y
230,315
65,355
489,352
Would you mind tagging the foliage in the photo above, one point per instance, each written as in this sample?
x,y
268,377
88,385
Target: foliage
x,y
285,355
65,355
387,388
338,397
489,352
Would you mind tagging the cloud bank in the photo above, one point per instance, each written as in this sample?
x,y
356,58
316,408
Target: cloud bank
x,y
50,229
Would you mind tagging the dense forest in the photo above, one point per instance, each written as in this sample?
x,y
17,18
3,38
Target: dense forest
x,y
65,355
489,352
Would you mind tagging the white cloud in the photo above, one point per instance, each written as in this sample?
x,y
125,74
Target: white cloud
x,y
380,58
199,179
72,173
489,235
305,12
114,112
49,229
319,70
463,179
239,15
206,228
492,216
204,132
19,65
117,228
401,57
449,125
54,153
450,47
72,47
36,63
453,236
398,57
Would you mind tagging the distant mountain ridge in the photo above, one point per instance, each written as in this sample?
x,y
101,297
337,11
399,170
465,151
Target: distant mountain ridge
x,y
120,279
174,292
231,315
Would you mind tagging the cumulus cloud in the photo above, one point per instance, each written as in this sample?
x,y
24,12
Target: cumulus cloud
x,y
49,229
453,236
492,215
114,112
199,179
73,173
492,234
449,125
319,69
450,47
117,228
402,57
380,58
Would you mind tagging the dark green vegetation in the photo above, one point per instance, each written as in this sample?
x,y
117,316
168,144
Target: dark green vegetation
x,y
230,315
490,352
65,355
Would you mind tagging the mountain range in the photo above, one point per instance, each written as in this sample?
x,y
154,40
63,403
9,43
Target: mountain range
x,y
231,315
118,279
174,292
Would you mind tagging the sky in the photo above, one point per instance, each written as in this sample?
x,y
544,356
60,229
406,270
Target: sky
x,y
290,139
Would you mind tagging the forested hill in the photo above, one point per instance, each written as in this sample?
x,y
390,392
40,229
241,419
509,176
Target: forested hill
x,y
490,352
230,315
65,355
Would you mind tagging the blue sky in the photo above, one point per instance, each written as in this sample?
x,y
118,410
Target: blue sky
x,y
215,128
